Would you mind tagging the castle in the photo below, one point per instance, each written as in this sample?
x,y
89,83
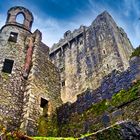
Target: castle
x,y
36,79
85,56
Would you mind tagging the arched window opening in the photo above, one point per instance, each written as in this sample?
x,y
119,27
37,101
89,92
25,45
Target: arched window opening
x,y
20,18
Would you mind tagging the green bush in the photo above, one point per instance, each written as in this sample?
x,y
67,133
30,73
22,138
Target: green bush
x,y
48,126
136,52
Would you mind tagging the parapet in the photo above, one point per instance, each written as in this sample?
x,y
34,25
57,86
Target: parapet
x,y
68,37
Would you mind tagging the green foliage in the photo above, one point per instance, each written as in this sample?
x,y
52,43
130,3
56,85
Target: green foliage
x,y
118,99
54,138
76,123
14,135
125,96
42,126
136,52
100,107
109,134
48,126
11,136
5,76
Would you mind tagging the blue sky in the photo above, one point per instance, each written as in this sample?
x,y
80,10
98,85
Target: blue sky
x,y
54,17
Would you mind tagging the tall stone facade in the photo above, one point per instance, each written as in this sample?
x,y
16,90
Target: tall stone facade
x,y
29,82
88,54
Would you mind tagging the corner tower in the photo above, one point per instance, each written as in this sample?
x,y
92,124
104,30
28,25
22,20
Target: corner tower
x,y
29,82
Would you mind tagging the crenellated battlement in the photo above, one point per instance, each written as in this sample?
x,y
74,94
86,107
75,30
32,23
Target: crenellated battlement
x,y
68,37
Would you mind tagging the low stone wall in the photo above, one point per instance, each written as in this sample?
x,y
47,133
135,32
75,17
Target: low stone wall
x,y
124,131
78,118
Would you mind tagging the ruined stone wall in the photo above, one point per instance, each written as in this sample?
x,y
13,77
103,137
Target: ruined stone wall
x,y
14,12
43,83
12,85
83,117
92,121
85,56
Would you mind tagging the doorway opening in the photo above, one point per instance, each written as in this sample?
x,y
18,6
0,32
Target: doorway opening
x,y
44,105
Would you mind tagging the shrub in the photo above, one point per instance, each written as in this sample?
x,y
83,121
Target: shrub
x,y
136,52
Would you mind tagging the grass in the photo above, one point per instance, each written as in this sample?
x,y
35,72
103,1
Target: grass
x,y
54,138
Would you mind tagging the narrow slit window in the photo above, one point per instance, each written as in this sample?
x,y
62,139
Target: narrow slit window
x,y
81,42
104,52
13,37
8,65
107,66
63,83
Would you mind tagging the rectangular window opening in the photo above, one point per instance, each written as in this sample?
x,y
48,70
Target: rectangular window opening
x,y
8,65
13,37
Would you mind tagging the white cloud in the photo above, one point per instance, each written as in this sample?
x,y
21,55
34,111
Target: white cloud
x,y
53,29
131,5
50,28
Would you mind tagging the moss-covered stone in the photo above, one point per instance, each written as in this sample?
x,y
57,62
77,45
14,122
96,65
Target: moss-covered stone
x,y
126,95
48,126
91,120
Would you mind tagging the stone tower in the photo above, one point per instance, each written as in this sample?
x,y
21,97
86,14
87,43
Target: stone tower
x,y
29,82
88,54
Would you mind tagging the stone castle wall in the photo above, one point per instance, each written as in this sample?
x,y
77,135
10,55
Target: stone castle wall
x,y
124,130
78,64
11,85
79,117
85,56
43,83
